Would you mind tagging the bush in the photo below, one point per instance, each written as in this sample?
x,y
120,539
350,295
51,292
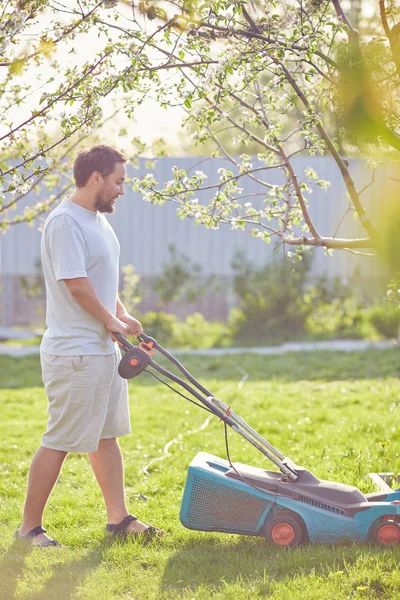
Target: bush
x,y
180,279
385,318
271,299
276,306
340,318
159,325
193,332
393,291
196,332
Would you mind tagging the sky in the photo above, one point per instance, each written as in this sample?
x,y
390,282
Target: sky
x,y
151,121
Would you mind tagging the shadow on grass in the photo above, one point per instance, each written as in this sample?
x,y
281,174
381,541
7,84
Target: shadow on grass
x,y
251,561
65,576
11,568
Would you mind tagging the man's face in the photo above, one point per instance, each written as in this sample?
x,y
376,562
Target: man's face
x,y
111,187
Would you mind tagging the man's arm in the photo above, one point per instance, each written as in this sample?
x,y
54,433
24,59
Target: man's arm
x,y
120,310
135,327
84,294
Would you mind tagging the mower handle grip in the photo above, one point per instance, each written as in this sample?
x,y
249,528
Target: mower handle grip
x,y
127,345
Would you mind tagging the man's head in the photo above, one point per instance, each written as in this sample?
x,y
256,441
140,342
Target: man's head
x,y
101,171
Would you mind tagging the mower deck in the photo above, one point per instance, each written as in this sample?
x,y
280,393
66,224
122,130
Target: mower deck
x,y
245,499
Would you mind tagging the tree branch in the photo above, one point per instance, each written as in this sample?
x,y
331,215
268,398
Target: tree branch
x,y
362,213
330,243
385,24
353,33
290,170
64,93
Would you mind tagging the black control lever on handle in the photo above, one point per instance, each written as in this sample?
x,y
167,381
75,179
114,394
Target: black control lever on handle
x,y
148,341
135,360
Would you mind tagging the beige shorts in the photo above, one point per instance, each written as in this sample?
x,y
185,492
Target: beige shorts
x,y
87,401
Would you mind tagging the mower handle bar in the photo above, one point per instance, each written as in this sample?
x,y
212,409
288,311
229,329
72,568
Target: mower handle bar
x,y
217,407
124,342
154,344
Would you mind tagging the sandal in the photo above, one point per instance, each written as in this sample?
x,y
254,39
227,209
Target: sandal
x,y
122,529
32,534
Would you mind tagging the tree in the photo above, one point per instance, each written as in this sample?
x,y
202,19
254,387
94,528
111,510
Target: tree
x,y
271,73
393,292
54,97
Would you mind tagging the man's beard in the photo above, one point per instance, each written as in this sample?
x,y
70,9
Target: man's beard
x,y
104,206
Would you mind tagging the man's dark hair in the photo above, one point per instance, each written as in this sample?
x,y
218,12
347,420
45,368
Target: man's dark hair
x,y
99,158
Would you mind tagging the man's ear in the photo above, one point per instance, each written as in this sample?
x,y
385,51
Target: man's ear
x,y
95,177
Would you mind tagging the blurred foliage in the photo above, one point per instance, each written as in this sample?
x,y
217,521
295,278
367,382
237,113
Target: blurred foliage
x,y
130,295
339,318
393,291
277,303
271,302
386,319
180,279
389,225
158,324
193,332
34,285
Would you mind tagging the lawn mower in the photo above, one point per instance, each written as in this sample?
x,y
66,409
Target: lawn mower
x,y
287,507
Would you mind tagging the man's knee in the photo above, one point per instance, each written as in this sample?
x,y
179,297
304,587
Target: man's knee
x,y
52,451
107,442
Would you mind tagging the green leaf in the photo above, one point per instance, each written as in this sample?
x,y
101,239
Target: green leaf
x,y
17,66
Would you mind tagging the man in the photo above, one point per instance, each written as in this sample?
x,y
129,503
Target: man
x,y
88,400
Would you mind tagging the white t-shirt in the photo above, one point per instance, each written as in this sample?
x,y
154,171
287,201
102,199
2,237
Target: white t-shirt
x,y
77,242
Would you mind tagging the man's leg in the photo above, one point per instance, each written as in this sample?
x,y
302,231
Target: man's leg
x,y
108,468
43,474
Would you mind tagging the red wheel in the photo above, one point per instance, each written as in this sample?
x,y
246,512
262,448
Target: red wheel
x,y
387,533
284,530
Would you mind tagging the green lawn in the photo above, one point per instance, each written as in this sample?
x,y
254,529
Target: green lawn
x,y
335,413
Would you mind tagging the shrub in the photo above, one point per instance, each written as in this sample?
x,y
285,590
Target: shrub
x,y
177,279
159,325
197,332
393,291
180,279
341,317
130,295
385,318
271,299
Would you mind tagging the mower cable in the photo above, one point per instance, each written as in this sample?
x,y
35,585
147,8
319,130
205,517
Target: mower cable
x,y
178,392
259,489
225,428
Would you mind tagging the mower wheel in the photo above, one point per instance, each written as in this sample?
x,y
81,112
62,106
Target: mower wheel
x,y
285,529
385,533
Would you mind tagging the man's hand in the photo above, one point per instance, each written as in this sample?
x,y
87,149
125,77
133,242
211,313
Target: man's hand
x,y
134,326
115,324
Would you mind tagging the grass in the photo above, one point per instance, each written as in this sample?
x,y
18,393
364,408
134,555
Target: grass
x,y
335,413
35,341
